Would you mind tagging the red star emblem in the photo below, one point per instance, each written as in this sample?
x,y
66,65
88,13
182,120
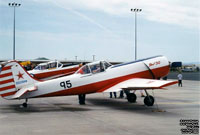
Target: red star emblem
x,y
20,75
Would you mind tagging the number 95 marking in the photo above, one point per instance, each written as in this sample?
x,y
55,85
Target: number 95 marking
x,y
66,84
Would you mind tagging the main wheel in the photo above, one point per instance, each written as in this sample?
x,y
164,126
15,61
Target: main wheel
x,y
82,102
149,100
81,99
131,97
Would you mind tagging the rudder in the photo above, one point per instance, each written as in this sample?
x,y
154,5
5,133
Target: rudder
x,y
12,78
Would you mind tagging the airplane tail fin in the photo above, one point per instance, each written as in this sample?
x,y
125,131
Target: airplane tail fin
x,y
13,77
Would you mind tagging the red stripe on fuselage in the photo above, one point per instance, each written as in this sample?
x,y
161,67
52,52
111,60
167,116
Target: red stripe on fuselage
x,y
6,81
53,73
103,85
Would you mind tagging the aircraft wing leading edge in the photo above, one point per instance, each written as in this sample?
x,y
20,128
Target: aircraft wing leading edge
x,y
139,84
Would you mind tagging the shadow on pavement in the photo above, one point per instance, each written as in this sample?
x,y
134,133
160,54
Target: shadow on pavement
x,y
36,108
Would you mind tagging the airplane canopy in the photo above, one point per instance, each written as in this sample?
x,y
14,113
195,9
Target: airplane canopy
x,y
48,65
94,67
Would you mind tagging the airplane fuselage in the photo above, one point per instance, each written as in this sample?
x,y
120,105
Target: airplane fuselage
x,y
155,67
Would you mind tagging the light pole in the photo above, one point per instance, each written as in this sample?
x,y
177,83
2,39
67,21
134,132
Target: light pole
x,y
93,57
14,5
136,10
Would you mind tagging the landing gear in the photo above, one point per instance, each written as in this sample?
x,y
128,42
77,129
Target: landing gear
x,y
81,98
131,97
25,105
148,100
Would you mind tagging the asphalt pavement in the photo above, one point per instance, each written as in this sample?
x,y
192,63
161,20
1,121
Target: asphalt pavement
x,y
102,115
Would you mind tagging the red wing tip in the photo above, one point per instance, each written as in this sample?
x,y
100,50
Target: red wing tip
x,y
168,84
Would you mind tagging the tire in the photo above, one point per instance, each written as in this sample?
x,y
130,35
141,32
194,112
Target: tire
x,y
25,105
81,99
131,97
149,100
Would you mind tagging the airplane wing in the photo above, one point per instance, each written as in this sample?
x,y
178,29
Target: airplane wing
x,y
22,91
139,84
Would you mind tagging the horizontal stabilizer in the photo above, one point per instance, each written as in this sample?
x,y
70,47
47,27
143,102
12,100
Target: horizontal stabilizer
x,y
139,84
22,91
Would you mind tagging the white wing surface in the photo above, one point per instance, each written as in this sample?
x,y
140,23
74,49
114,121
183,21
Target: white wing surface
x,y
138,84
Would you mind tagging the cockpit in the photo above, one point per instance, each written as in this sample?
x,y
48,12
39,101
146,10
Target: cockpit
x,y
49,65
95,67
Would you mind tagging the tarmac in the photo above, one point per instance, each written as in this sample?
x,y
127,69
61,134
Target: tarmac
x,y
102,115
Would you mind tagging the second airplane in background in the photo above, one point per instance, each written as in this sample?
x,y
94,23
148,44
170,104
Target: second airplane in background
x,y
52,69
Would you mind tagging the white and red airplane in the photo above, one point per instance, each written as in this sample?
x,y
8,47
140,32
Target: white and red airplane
x,y
52,69
101,76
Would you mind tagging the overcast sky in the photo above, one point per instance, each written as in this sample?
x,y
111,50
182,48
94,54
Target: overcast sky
x,y
63,29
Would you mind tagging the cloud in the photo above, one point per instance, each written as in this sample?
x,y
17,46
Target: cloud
x,y
177,12
174,13
83,16
67,5
184,13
